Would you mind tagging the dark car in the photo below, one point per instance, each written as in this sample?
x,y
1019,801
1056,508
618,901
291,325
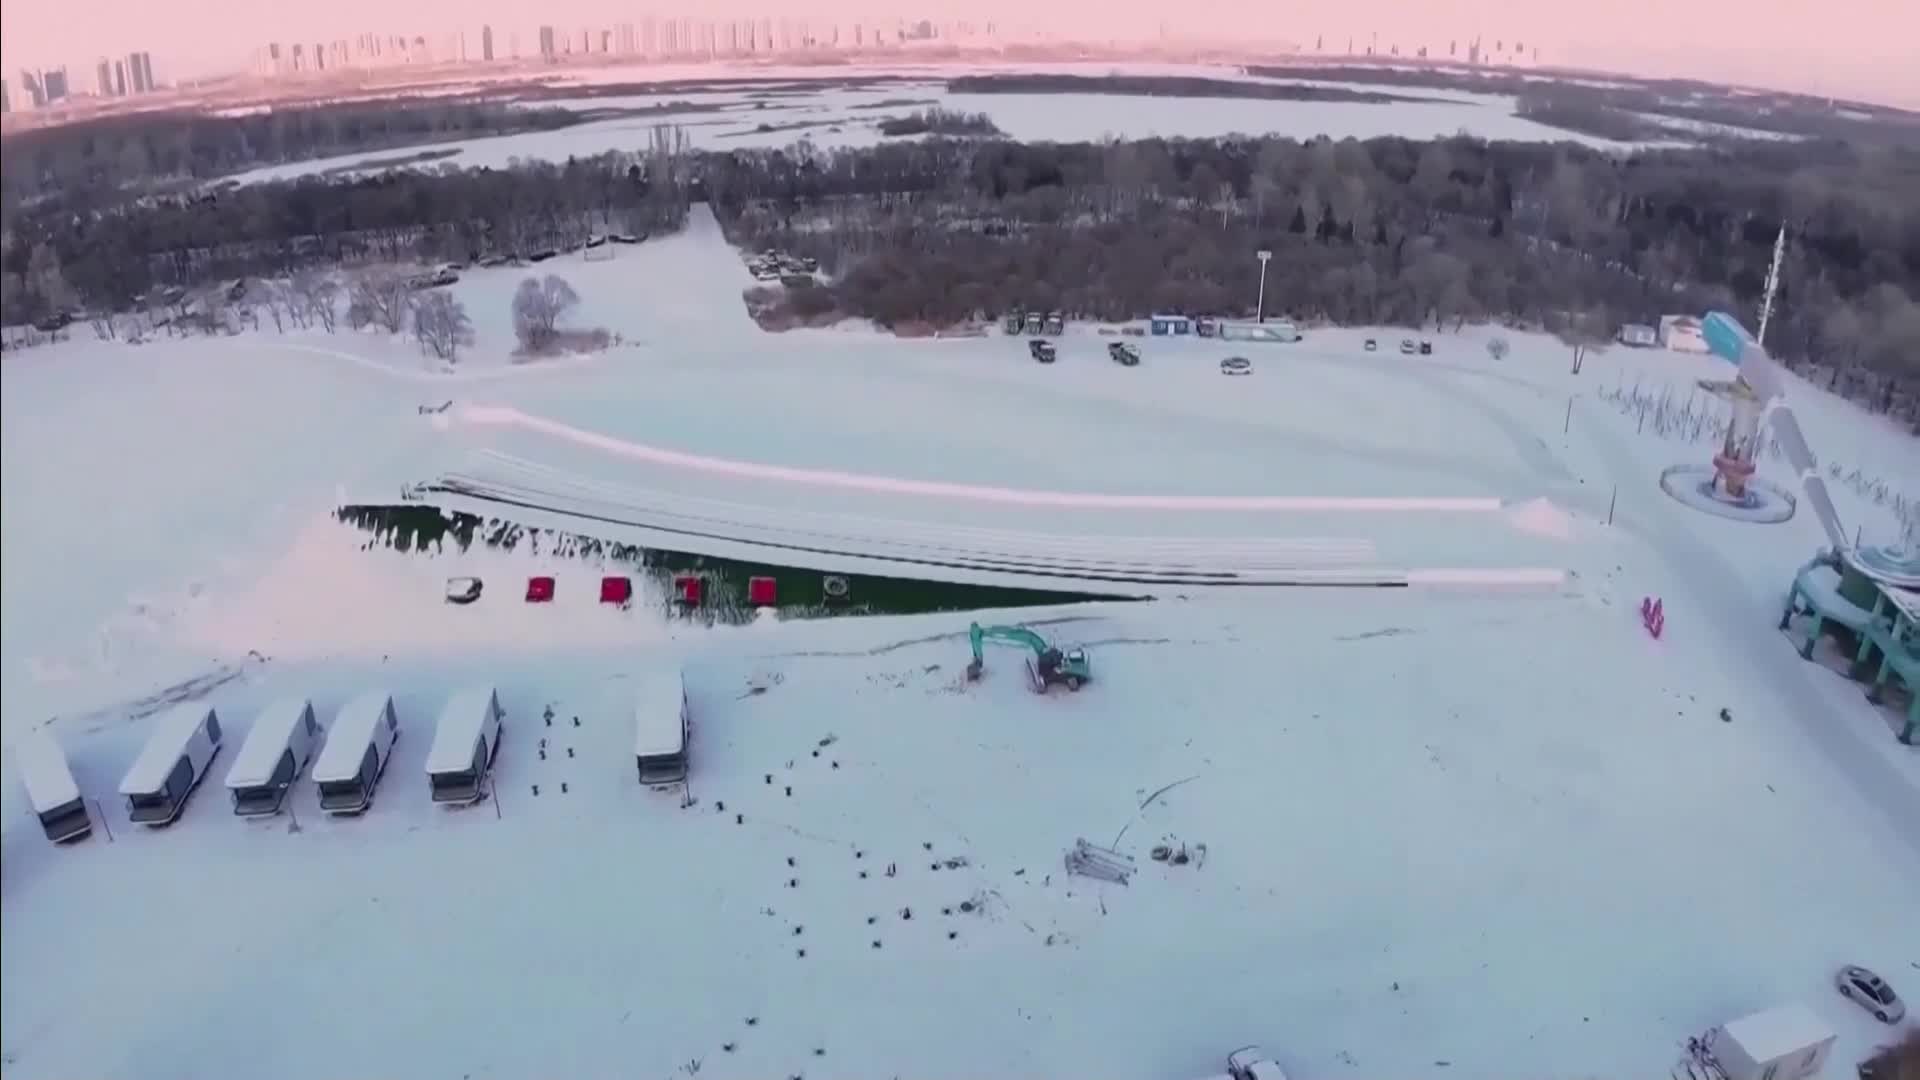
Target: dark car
x,y
1426,348
1042,351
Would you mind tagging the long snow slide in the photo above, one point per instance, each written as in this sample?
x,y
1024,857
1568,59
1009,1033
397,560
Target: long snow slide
x,y
494,484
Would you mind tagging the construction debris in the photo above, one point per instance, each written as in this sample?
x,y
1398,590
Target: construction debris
x,y
1105,864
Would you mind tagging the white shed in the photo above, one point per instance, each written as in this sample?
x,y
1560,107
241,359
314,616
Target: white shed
x,y
661,721
271,758
1787,1043
50,788
184,742
358,746
464,745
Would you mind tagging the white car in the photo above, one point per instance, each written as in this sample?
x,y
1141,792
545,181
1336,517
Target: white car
x,y
1236,365
1407,346
1249,1063
1870,992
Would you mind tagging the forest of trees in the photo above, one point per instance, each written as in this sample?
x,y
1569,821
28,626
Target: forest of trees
x,y
938,231
1386,230
93,160
52,259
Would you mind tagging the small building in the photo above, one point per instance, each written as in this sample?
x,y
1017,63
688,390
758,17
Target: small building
x,y
1639,335
184,742
1273,330
1787,1043
50,788
661,724
1169,325
465,743
1682,333
272,757
358,746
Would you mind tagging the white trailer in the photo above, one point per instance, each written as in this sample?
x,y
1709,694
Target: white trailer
x,y
662,723
50,788
358,746
184,742
465,743
1787,1043
272,756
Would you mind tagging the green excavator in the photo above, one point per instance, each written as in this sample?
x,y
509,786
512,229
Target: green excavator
x,y
1050,665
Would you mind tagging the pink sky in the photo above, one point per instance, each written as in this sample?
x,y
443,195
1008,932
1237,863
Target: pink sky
x,y
1857,48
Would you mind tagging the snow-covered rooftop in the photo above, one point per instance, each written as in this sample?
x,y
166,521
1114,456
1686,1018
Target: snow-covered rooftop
x,y
174,729
656,711
466,714
44,770
349,734
272,729
1780,1031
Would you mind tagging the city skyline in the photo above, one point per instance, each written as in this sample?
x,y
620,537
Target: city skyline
x,y
1660,42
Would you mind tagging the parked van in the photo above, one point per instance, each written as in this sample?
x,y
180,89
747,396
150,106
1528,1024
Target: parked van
x,y
662,724
272,757
464,746
184,742
358,746
50,788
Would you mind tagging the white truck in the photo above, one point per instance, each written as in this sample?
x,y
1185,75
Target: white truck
x,y
1250,1063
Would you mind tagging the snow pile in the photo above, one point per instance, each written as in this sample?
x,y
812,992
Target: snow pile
x,y
1539,517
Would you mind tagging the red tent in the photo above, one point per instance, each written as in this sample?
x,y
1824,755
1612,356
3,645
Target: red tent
x,y
615,590
539,590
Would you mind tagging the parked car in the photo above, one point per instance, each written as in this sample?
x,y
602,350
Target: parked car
x,y
1122,353
1372,345
1236,365
1870,992
1406,347
1042,351
1426,348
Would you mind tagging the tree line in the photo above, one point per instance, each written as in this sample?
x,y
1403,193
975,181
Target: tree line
x,y
53,259
1382,231
92,161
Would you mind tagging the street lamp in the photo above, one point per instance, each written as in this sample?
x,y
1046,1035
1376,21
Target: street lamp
x,y
1260,306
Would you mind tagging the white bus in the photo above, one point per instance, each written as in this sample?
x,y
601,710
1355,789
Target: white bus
x,y
50,788
184,742
272,757
661,725
464,746
358,746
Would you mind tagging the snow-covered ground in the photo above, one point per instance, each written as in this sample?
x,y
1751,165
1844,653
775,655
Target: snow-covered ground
x,y
1498,829
848,117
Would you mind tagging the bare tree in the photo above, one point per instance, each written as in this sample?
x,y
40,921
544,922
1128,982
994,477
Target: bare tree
x,y
315,294
1581,331
380,295
441,325
537,307
1498,348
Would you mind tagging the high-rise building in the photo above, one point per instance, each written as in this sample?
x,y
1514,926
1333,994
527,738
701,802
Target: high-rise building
x,y
35,92
54,82
103,77
6,98
486,43
547,51
120,78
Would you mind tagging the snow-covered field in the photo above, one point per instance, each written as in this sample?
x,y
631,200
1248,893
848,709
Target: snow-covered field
x,y
1449,832
848,117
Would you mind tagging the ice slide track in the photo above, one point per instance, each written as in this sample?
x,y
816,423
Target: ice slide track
x,y
1113,560
501,416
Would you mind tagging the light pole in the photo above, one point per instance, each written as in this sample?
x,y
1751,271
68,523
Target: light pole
x,y
1260,305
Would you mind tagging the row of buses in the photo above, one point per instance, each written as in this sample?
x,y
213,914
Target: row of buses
x,y
357,745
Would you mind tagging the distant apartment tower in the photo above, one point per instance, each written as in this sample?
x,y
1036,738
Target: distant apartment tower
x,y
103,77
486,44
547,50
120,78
6,98
140,72
35,92
54,82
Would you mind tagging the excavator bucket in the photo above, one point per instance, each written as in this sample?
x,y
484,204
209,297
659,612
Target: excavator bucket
x,y
974,669
1034,680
